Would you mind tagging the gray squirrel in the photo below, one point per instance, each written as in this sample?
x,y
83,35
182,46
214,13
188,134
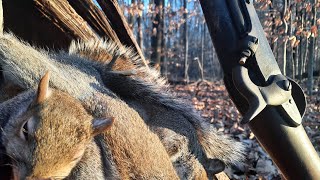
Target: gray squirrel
x,y
49,134
101,75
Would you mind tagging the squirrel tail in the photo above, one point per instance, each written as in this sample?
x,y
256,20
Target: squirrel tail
x,y
220,146
147,86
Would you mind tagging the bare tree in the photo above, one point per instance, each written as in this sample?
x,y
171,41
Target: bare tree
x,y
290,60
283,13
157,31
139,21
185,41
311,58
202,50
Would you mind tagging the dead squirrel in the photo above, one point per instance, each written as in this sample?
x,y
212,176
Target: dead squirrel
x,y
148,93
183,132
50,135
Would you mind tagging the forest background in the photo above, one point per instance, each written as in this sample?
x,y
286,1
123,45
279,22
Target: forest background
x,y
174,38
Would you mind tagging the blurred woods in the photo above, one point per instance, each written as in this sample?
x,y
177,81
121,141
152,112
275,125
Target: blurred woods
x,y
174,37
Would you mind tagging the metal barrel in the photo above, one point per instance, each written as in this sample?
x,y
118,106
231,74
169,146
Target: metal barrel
x,y
275,127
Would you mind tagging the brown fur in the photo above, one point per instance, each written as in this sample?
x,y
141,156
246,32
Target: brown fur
x,y
149,155
60,135
182,144
91,81
149,94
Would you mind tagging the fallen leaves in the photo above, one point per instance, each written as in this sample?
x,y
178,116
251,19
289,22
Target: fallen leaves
x,y
212,100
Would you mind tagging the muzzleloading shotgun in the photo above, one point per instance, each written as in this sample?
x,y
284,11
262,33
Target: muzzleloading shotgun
x,y
271,104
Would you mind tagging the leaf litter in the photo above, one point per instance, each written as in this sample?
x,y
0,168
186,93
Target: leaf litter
x,y
214,104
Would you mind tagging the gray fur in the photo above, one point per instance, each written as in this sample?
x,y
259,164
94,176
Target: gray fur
x,y
129,136
148,89
9,116
146,92
92,166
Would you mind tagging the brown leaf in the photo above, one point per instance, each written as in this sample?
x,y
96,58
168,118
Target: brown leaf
x,y
314,31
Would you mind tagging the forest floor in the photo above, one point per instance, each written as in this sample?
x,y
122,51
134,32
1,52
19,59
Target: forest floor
x,y
212,100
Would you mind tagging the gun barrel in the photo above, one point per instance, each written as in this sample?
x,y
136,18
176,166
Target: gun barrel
x,y
287,143
289,147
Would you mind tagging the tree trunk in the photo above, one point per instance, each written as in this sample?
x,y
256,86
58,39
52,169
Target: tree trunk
x,y
285,24
163,40
300,63
311,50
273,45
185,42
157,35
295,63
139,21
296,48
131,14
316,61
168,45
305,55
290,60
202,49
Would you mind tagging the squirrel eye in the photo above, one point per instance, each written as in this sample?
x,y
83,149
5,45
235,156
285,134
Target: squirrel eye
x,y
24,131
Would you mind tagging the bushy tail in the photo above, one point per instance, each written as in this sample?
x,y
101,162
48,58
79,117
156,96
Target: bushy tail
x,y
220,146
148,87
214,144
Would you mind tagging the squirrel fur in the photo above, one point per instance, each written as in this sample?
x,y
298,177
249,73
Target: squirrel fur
x,y
49,134
156,103
120,88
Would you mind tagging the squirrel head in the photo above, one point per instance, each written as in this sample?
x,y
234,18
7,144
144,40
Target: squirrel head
x,y
49,137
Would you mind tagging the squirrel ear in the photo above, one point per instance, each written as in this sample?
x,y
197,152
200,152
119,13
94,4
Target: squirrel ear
x,y
43,88
100,125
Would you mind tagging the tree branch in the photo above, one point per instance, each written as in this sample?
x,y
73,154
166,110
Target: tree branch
x,y
95,18
66,18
